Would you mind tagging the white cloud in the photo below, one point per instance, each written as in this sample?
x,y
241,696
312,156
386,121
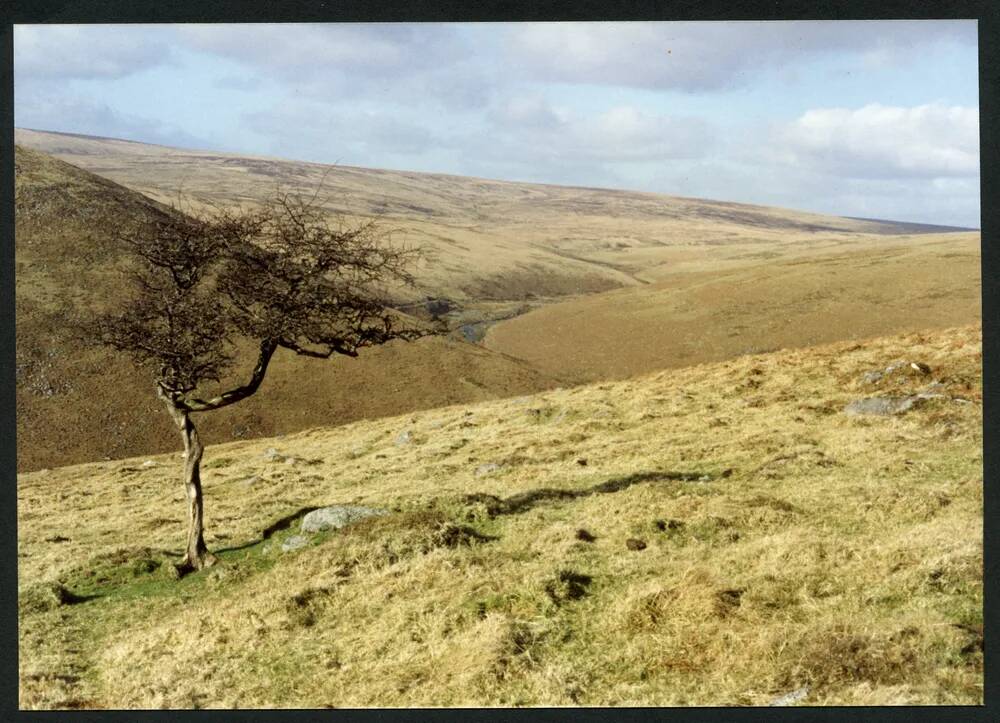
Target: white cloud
x,y
528,126
411,62
80,114
315,48
60,52
353,137
699,56
878,141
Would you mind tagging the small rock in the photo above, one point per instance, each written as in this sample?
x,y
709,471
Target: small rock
x,y
291,460
789,698
293,543
920,367
872,377
488,468
404,438
584,535
634,544
705,478
272,455
251,481
882,406
337,516
149,463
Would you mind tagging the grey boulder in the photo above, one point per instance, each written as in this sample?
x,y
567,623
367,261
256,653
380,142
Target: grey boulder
x,y
293,543
337,516
882,406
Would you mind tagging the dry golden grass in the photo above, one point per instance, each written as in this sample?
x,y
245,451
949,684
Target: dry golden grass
x,y
492,239
726,278
883,286
839,553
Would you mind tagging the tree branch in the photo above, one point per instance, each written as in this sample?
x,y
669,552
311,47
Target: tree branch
x,y
267,348
303,351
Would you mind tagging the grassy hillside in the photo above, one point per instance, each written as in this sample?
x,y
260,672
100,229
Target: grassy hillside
x,y
76,403
615,283
494,240
872,287
787,545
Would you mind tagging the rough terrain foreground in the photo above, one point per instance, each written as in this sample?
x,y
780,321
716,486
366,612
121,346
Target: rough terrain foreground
x,y
722,534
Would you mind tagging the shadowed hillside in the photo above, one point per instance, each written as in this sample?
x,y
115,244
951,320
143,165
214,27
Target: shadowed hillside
x,y
723,534
76,403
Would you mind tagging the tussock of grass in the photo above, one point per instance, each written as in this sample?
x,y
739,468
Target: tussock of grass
x,y
793,547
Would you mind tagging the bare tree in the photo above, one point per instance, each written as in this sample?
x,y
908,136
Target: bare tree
x,y
281,275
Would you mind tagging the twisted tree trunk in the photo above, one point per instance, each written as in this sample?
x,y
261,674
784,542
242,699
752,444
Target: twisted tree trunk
x,y
197,555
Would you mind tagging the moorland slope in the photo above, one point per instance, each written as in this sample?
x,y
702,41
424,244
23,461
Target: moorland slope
x,y
615,283
495,240
722,534
872,287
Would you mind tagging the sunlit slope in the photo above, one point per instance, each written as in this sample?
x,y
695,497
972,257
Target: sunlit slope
x,y
77,403
788,547
491,239
891,285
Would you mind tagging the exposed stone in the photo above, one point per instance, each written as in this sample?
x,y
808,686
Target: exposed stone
x,y
882,406
404,438
149,463
251,481
272,455
634,544
789,698
336,517
488,468
293,543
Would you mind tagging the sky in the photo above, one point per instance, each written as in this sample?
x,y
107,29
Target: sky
x,y
875,119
